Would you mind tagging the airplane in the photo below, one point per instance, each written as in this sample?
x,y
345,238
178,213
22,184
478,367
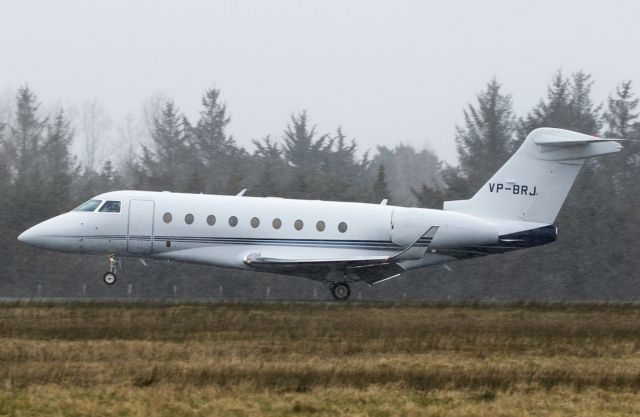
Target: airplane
x,y
336,243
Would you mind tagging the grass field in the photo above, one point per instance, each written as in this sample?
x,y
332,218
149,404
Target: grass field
x,y
106,359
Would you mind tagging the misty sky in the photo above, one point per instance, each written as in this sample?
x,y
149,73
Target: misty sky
x,y
388,72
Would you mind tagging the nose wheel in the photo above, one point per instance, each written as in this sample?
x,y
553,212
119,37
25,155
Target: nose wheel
x,y
340,291
110,277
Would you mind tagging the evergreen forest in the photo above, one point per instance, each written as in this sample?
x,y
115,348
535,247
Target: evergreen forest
x,y
42,174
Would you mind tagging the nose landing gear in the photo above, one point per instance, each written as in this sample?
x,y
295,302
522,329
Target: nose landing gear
x,y
340,291
110,277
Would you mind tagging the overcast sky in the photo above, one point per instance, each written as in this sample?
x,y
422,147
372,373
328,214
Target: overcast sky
x,y
387,72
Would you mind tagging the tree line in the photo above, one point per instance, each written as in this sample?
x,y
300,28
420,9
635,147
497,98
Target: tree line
x,y
593,258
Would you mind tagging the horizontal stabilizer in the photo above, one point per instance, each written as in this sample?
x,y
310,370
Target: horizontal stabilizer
x,y
561,141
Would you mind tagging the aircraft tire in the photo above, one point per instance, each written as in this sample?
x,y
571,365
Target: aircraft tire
x,y
340,291
109,278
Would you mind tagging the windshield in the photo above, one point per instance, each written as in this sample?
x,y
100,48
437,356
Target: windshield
x,y
88,206
110,207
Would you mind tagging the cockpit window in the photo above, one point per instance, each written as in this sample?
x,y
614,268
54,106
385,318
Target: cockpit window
x,y
110,207
88,206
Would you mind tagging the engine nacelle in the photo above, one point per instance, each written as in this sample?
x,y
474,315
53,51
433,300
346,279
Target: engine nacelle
x,y
455,229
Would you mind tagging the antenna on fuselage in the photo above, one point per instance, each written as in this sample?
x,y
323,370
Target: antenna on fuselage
x,y
241,193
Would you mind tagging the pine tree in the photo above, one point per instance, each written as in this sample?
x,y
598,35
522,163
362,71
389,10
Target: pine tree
x,y
304,152
380,188
621,121
554,112
108,174
585,113
457,184
621,113
59,164
619,173
166,162
343,176
428,197
7,239
29,196
568,106
406,170
109,178
270,168
216,151
5,175
25,143
487,139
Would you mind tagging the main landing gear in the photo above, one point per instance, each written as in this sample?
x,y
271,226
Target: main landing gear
x,y
110,277
340,291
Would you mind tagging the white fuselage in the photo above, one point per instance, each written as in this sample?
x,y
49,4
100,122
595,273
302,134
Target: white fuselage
x,y
142,228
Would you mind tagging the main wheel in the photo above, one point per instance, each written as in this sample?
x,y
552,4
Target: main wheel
x,y
109,278
340,291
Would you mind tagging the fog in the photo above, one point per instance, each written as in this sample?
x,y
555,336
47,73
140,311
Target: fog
x,y
83,84
388,72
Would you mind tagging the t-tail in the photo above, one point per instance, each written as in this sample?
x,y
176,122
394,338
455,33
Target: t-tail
x,y
533,184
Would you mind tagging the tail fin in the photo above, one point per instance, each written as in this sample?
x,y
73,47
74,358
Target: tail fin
x,y
533,184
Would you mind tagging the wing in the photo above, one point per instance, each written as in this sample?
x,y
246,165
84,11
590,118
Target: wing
x,y
371,269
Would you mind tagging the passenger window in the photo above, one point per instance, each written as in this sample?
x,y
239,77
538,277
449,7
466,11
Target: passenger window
x,y
110,207
211,220
320,226
233,221
188,219
167,217
255,222
342,227
277,223
298,224
88,206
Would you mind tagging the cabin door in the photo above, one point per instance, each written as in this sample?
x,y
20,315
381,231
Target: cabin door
x,y
140,233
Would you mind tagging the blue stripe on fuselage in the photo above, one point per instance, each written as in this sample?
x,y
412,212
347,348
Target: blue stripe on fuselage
x,y
351,244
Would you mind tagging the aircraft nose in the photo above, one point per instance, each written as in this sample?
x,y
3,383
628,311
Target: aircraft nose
x,y
29,236
37,235
53,234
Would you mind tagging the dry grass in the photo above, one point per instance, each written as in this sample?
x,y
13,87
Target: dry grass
x,y
319,359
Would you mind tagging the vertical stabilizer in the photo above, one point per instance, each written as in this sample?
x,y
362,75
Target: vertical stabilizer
x,y
533,184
